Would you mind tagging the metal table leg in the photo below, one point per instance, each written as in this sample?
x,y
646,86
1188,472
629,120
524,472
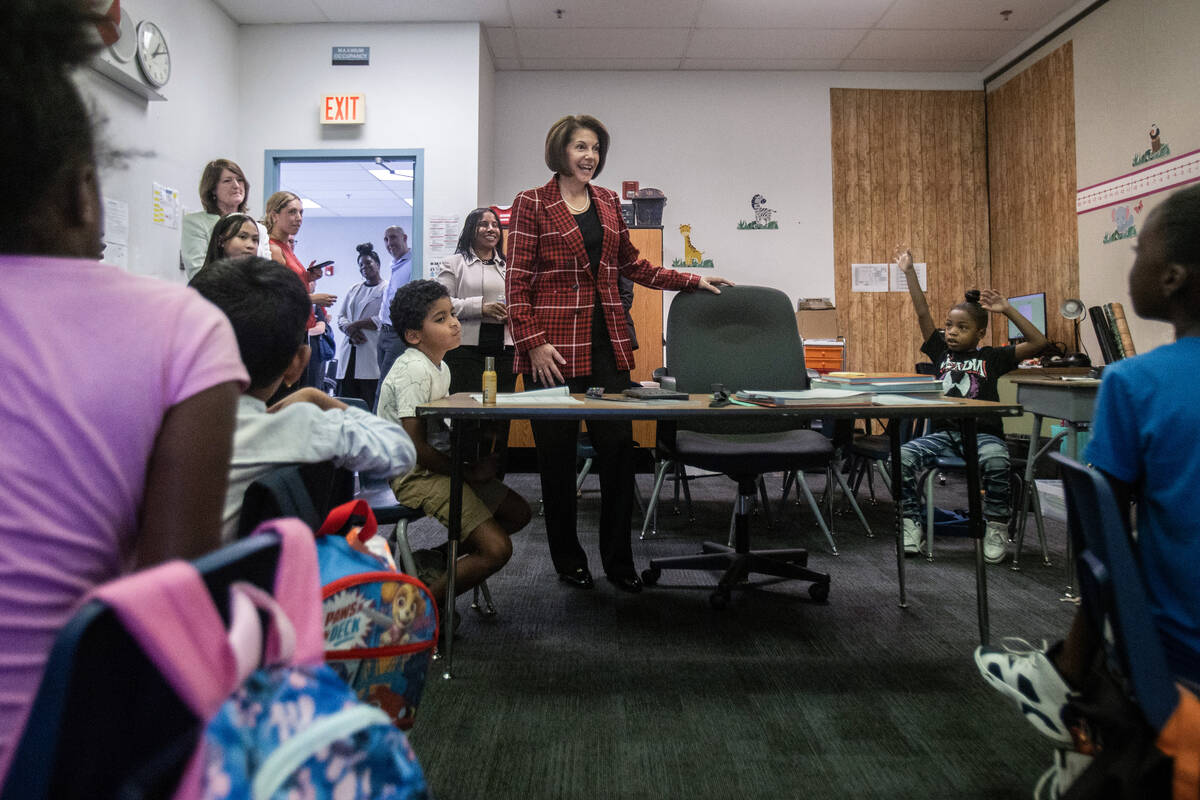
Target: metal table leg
x,y
894,447
976,525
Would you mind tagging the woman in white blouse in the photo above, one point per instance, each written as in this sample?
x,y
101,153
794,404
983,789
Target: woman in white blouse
x,y
357,363
474,276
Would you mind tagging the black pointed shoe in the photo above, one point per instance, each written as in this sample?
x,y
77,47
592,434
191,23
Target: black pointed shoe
x,y
578,577
626,583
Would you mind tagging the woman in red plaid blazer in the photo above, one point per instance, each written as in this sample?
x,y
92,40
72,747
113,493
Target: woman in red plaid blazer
x,y
567,246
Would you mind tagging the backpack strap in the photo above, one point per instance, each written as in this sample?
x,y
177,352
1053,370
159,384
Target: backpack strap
x,y
194,658
298,587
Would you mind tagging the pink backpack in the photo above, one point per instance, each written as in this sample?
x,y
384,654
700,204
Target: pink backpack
x,y
203,661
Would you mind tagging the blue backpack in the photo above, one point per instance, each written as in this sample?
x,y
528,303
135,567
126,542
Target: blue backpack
x,y
380,625
301,732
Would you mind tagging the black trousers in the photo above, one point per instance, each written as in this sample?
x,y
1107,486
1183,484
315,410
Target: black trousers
x,y
613,441
362,388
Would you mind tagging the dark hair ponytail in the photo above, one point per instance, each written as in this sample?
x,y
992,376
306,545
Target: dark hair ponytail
x,y
45,130
975,311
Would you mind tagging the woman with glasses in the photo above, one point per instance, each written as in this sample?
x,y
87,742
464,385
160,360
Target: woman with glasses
x,y
357,362
223,191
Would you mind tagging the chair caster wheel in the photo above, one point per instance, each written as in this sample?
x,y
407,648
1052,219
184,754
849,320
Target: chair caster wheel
x,y
819,592
650,575
719,599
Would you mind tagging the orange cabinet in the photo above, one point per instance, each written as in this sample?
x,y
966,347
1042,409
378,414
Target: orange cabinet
x,y
825,357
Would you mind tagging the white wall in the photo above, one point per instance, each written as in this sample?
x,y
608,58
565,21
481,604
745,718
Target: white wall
x,y
709,141
422,91
1136,63
198,122
487,122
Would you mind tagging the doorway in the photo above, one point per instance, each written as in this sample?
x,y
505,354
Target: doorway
x,y
350,197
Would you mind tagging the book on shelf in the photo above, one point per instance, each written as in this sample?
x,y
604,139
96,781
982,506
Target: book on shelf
x,y
879,377
1103,334
1121,324
1112,331
804,397
927,385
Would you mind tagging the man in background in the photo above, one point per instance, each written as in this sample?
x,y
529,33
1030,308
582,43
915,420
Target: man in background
x,y
391,342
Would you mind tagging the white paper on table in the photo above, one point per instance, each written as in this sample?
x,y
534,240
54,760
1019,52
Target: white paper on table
x,y
557,396
905,400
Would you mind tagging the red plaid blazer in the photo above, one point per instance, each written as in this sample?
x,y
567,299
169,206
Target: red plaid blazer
x,y
549,284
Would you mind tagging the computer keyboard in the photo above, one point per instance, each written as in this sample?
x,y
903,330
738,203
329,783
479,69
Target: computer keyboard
x,y
654,393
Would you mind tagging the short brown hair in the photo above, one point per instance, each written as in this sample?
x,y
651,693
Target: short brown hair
x,y
560,136
212,176
275,204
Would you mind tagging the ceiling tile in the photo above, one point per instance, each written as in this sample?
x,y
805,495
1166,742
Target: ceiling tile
x,y
811,64
601,43
773,43
568,64
489,12
921,45
607,14
502,41
262,12
1027,16
791,13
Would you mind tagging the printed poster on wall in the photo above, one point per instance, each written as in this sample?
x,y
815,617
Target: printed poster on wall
x,y
441,239
165,206
883,277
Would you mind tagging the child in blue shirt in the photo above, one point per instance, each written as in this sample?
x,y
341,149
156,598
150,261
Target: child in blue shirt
x,y
966,370
1142,440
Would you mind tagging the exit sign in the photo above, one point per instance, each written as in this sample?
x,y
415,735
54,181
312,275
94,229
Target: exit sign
x,y
343,109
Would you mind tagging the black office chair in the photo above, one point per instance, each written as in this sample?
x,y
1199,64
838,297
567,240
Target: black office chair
x,y
104,722
743,338
306,491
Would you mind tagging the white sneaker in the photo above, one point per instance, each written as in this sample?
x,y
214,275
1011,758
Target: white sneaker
x,y
995,542
1023,673
1067,767
914,537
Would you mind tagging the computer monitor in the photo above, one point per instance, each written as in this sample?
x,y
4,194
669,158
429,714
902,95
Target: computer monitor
x,y
1033,308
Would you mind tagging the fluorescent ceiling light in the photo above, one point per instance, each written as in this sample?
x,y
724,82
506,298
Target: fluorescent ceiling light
x,y
384,175
306,203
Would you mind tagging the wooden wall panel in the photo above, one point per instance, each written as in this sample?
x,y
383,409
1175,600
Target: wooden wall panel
x,y
908,167
1031,162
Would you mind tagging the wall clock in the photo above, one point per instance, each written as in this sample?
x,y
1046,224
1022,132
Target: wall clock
x,y
153,55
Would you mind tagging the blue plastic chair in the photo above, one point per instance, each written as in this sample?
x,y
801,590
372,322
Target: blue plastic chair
x,y
1114,595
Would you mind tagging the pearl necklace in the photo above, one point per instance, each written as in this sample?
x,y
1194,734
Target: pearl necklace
x,y
587,200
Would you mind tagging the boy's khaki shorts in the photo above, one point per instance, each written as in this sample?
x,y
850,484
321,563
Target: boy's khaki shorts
x,y
430,492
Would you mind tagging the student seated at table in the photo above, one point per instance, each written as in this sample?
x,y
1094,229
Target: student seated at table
x,y
491,512
269,310
1146,414
966,370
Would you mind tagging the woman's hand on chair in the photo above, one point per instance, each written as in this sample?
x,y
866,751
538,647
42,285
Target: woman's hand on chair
x,y
711,284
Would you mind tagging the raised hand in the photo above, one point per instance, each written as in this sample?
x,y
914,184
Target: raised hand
x,y
993,301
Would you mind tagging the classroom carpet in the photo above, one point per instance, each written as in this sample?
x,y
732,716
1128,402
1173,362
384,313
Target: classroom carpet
x,y
570,693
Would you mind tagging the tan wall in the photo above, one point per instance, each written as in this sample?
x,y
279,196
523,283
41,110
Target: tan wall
x,y
908,167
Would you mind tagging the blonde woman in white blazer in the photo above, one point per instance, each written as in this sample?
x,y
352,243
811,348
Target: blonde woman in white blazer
x,y
474,277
